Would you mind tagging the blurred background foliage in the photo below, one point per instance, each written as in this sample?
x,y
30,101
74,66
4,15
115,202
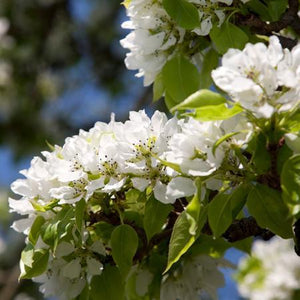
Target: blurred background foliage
x,y
59,59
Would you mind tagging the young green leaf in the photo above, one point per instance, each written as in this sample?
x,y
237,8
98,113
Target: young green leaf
x,y
27,255
124,243
108,286
228,36
180,78
38,266
185,14
155,216
36,229
199,99
269,210
216,112
290,180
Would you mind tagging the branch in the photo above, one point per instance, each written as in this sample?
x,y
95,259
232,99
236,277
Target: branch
x,y
288,18
244,228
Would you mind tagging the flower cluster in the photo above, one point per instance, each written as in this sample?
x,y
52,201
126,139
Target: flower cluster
x,y
262,79
272,271
140,153
199,278
155,36
159,155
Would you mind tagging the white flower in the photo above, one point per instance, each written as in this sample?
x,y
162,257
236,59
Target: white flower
x,y
54,283
293,141
192,148
155,35
250,76
198,277
150,42
272,271
240,125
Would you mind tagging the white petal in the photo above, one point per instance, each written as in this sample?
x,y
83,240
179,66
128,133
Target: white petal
x,y
72,269
64,249
94,267
180,187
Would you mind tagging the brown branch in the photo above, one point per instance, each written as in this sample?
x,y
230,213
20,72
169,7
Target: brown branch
x,y
244,228
258,26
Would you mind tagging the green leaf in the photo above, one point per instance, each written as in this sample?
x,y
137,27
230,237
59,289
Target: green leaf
x,y
49,233
199,99
108,286
58,227
260,8
27,255
216,112
180,78
155,216
38,266
103,230
228,36
238,199
181,239
85,294
261,157
193,211
186,230
269,210
244,245
209,245
169,101
185,14
210,62
290,180
283,155
219,214
225,207
79,213
36,229
158,87
124,243
276,8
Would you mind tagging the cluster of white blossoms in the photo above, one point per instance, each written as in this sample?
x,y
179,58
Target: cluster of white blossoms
x,y
69,269
262,79
271,273
139,153
155,35
157,154
198,278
